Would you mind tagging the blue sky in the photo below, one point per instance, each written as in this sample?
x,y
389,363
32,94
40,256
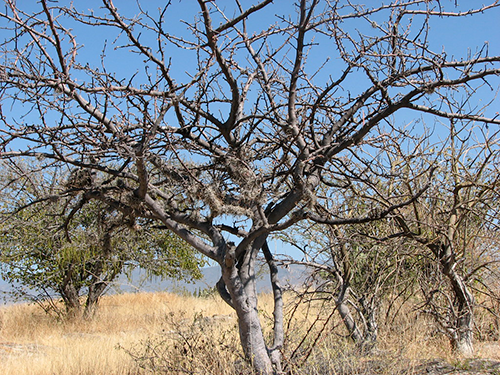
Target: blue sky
x,y
460,36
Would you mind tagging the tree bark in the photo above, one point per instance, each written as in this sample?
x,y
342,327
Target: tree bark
x,y
349,322
70,294
100,278
71,299
462,339
95,292
278,330
238,288
250,330
363,338
461,334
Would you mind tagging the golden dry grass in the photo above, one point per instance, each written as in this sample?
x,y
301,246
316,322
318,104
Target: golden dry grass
x,y
148,333
31,342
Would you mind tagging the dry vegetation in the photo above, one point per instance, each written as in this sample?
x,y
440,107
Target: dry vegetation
x,y
166,333
32,342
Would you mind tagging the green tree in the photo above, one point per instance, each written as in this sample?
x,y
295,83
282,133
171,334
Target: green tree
x,y
50,251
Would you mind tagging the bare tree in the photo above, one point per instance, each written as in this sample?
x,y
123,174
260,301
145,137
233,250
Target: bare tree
x,y
450,226
453,220
224,127
360,270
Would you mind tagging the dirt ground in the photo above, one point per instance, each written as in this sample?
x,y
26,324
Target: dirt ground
x,y
466,367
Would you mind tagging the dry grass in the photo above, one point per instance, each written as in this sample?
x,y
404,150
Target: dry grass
x,y
410,344
167,333
31,342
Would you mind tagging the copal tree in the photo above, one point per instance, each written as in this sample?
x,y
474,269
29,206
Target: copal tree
x,y
53,244
222,127
456,222
449,230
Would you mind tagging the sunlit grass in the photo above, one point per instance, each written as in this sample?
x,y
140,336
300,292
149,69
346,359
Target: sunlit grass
x,y
147,333
32,342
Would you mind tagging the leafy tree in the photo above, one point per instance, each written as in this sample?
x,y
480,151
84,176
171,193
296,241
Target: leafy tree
x,y
46,253
226,127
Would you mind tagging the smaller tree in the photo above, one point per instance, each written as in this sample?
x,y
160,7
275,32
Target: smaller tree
x,y
359,275
58,244
444,196
451,221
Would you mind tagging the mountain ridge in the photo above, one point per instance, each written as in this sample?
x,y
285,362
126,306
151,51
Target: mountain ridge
x,y
292,275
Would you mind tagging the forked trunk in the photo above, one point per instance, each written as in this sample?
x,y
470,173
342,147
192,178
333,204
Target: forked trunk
x,y
70,295
100,277
95,292
237,287
461,333
364,339
349,322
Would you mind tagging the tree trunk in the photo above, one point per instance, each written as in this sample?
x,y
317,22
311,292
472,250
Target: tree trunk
x,y
238,288
70,294
462,339
278,330
369,313
71,299
349,322
461,334
341,304
463,344
363,338
100,279
95,292
250,330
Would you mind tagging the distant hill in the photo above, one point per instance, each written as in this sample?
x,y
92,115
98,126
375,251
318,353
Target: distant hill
x,y
292,275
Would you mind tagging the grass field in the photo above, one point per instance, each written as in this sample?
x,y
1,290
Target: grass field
x,y
149,333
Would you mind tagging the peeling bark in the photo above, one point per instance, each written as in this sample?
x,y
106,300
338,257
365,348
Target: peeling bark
x,y
241,288
461,332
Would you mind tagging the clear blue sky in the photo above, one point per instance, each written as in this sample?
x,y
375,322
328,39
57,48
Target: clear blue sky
x,y
460,36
